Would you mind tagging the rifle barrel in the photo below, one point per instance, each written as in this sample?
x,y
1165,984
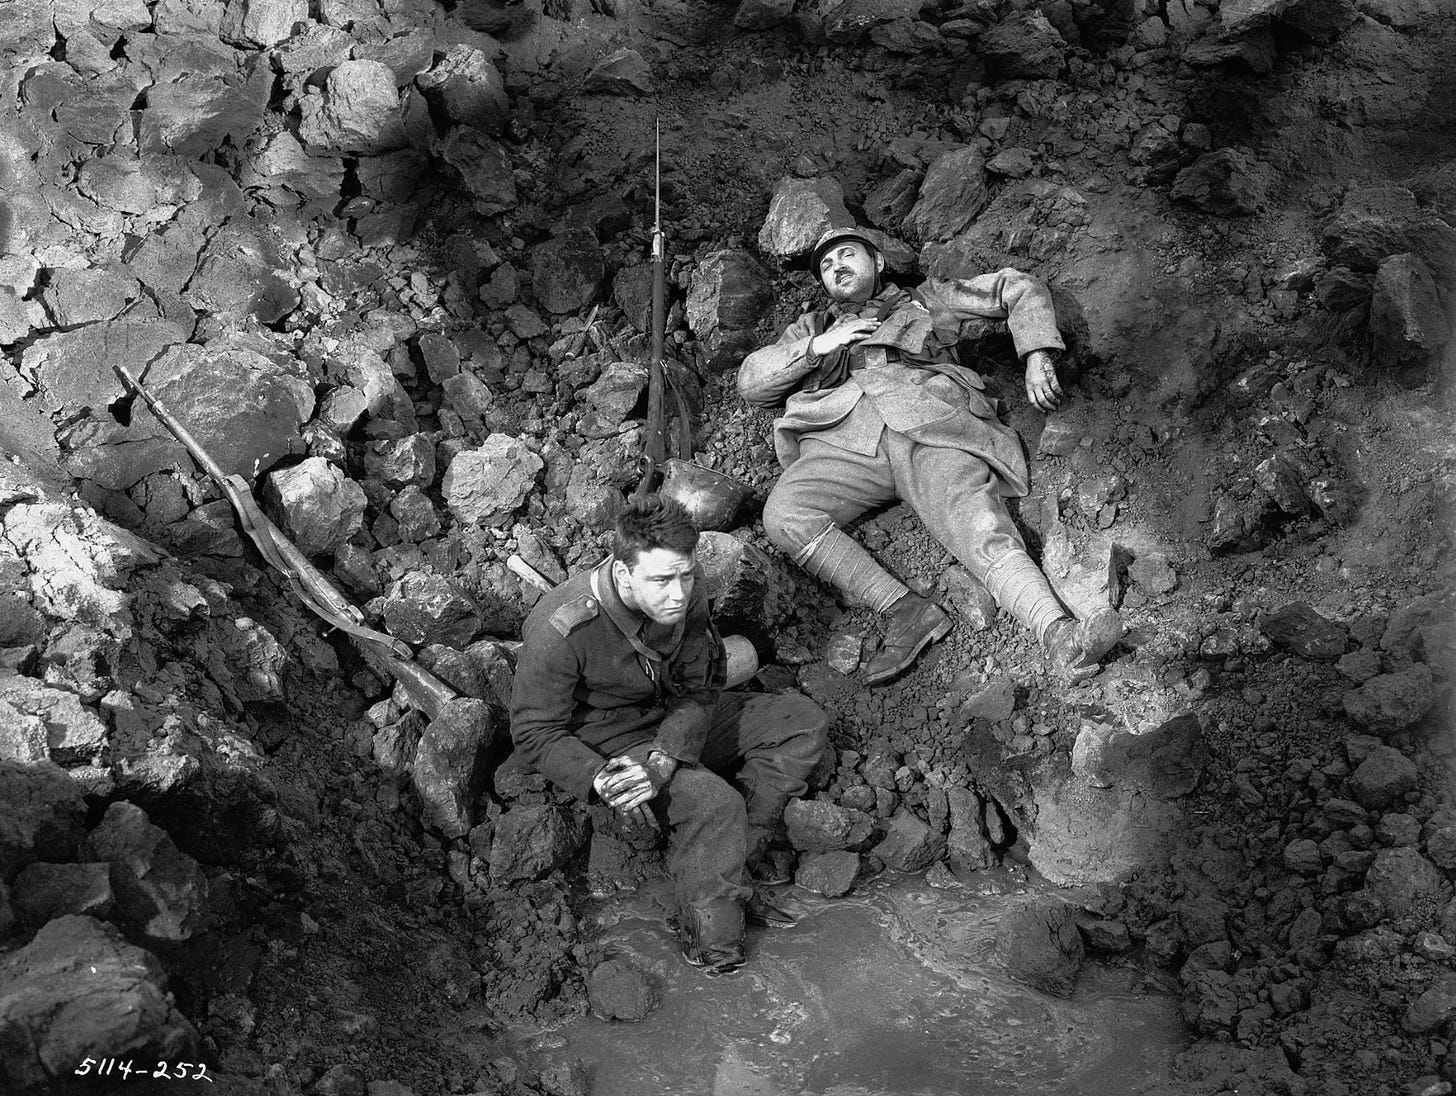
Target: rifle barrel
x,y
171,422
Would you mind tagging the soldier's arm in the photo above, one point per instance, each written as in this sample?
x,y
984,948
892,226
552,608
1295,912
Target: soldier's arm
x,y
542,697
1024,302
700,671
769,374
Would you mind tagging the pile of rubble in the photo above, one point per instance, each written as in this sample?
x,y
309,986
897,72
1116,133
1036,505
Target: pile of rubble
x,y
352,246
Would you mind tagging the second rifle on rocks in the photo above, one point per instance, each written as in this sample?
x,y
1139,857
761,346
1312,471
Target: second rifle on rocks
x,y
312,587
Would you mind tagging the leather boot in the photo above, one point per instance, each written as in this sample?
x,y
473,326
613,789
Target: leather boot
x,y
914,623
1077,646
774,910
711,935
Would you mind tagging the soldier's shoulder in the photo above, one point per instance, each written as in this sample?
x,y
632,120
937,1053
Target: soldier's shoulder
x,y
574,612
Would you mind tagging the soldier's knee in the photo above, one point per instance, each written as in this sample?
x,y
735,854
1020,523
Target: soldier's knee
x,y
707,794
778,523
812,725
797,726
789,524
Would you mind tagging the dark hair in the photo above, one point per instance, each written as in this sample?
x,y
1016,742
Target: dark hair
x,y
652,522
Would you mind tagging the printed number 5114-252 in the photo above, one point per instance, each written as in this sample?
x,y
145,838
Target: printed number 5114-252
x,y
127,1069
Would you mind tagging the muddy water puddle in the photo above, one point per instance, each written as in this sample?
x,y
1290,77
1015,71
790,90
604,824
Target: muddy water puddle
x,y
891,992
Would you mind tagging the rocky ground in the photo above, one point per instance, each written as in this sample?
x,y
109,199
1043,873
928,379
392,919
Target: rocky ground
x,y
354,245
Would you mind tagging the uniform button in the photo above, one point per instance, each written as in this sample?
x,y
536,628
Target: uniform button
x,y
590,603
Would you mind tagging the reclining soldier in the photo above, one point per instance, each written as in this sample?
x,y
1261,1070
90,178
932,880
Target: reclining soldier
x,y
877,408
619,699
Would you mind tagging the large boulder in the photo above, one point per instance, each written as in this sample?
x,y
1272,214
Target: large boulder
x,y
1403,881
853,20
466,88
815,825
799,213
487,485
567,270
44,892
201,111
357,111
1408,323
967,847
729,291
531,841
246,433
1388,703
953,193
610,398
39,722
423,607
315,504
485,169
261,23
624,72
79,992
909,844
1434,1007
1255,48
748,589
1024,46
831,874
81,296
43,817
402,462
1040,944
240,276
1374,223
160,890
1226,182
73,369
892,199
1383,778
1299,628
449,764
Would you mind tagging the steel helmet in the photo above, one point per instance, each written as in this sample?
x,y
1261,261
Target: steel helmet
x,y
834,236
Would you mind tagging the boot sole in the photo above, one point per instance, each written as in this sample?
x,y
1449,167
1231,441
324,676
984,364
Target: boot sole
x,y
718,969
935,635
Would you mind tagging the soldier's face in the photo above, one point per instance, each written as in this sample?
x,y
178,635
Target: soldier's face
x,y
849,272
659,585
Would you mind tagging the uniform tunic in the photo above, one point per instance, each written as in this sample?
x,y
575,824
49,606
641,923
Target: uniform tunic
x,y
906,422
927,407
585,691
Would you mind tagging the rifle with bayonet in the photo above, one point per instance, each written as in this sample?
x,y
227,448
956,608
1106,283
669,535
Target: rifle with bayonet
x,y
654,442
660,383
313,588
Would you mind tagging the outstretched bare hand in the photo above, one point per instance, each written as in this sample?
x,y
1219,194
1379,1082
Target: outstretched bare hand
x,y
1042,387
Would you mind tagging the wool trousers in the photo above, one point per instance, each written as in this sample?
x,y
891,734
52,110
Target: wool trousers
x,y
759,753
952,491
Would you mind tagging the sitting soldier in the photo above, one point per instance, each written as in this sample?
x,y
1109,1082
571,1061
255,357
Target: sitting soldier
x,y
618,698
